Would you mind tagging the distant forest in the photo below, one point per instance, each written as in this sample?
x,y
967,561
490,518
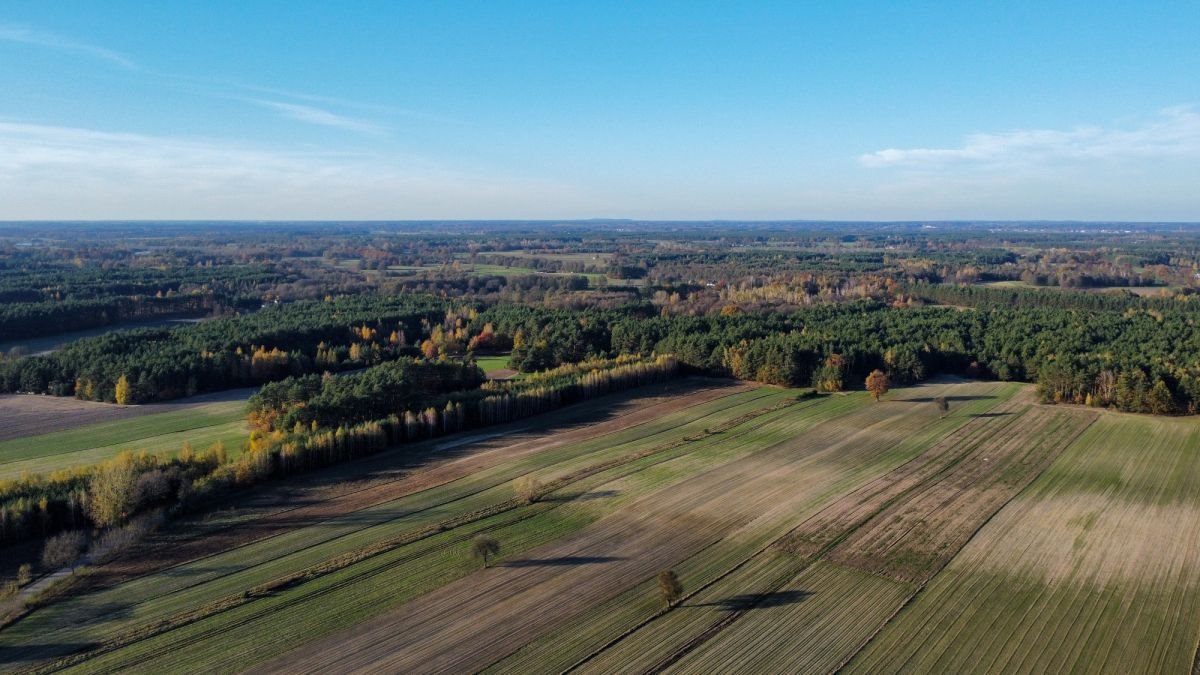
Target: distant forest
x,y
1099,314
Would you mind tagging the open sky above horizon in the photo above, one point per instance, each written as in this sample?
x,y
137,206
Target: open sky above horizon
x,y
663,110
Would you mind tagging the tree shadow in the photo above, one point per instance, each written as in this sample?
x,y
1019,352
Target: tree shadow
x,y
108,610
563,561
36,652
581,496
182,572
949,399
759,600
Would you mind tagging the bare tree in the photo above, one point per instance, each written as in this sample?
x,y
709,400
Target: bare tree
x,y
63,550
669,587
484,547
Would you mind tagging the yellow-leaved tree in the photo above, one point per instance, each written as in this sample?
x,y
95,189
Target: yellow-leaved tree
x,y
123,393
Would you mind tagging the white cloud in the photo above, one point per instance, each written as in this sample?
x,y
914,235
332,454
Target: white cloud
x,y
1173,133
50,172
312,115
29,36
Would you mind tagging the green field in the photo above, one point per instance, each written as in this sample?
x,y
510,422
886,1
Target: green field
x,y
811,535
201,425
491,364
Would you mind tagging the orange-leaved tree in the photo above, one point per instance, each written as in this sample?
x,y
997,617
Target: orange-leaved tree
x,y
877,383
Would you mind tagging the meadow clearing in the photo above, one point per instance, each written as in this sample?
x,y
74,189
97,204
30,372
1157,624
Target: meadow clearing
x,y
811,534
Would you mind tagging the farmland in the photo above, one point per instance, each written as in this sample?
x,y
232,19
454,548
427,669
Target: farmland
x,y
811,534
1093,569
153,428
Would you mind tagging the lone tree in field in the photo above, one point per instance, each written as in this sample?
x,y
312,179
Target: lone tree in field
x,y
669,587
942,405
528,489
877,383
484,548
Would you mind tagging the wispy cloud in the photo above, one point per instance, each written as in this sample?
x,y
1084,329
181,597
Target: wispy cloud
x,y
335,102
325,118
125,175
37,38
302,96
1172,133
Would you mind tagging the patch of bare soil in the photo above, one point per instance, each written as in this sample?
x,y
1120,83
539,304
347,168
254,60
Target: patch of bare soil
x,y
913,538
847,513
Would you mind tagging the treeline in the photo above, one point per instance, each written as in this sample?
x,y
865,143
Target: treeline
x,y
436,398
22,320
1078,346
495,402
967,295
42,302
53,283
294,339
311,401
485,287
574,265
103,495
1077,356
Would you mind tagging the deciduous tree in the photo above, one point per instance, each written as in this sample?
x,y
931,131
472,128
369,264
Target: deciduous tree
x,y
877,383
528,489
112,491
942,404
123,393
484,548
669,587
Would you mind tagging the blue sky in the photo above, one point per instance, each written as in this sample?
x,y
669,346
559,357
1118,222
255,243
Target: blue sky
x,y
390,110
